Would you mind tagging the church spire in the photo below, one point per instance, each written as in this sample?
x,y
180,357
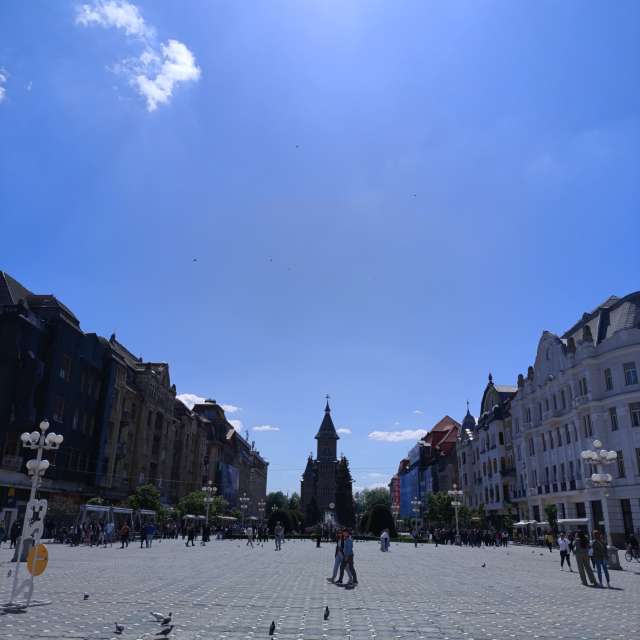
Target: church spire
x,y
327,409
327,431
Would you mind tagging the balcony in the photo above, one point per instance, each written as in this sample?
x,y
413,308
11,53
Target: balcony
x,y
579,401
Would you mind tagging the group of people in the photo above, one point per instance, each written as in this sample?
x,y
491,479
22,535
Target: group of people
x,y
588,554
343,560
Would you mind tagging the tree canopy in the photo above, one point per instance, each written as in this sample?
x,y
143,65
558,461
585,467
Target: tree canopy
x,y
380,518
275,499
146,496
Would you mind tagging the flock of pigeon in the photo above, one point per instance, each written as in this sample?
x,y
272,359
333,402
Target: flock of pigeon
x,y
166,626
164,620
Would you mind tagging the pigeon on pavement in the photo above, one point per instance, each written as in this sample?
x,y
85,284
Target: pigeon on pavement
x,y
119,628
86,596
326,613
272,627
165,632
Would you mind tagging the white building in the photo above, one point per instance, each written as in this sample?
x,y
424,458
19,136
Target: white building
x,y
583,386
487,474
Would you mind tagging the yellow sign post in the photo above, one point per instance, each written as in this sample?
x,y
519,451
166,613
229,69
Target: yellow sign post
x,y
37,560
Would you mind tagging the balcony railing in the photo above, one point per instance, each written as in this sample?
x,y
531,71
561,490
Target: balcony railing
x,y
579,401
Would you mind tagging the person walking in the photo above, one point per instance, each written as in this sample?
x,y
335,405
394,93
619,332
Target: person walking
x,y
191,536
548,540
348,560
249,534
338,558
563,545
124,536
14,532
600,557
384,540
581,552
278,532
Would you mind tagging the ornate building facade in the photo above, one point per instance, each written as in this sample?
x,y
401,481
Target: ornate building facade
x,y
326,486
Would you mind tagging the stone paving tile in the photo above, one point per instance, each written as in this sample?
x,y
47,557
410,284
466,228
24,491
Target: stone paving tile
x,y
226,591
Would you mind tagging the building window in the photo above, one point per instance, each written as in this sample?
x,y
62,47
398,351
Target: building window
x,y
519,452
544,441
555,402
517,425
630,373
562,474
84,423
638,459
546,475
65,368
74,424
92,425
563,399
613,416
634,411
501,437
586,425
582,386
58,409
551,439
532,449
567,434
464,458
540,411
608,380
554,473
571,470
527,415
546,404
620,461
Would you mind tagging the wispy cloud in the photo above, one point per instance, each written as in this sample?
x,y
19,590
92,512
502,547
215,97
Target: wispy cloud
x,y
417,412
344,430
159,67
3,80
190,399
266,427
230,408
398,436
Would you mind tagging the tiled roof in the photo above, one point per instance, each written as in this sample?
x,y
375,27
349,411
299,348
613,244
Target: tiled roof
x,y
11,291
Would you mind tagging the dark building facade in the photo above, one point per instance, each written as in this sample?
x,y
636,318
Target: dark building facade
x,y
122,423
326,481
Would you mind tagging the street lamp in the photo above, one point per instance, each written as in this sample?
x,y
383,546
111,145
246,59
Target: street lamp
x,y
395,512
244,505
209,494
33,524
601,457
261,508
415,507
456,502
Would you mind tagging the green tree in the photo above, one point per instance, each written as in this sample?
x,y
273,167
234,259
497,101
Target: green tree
x,y
480,516
61,510
439,509
380,518
146,496
294,502
193,503
275,499
281,516
551,511
378,495
97,500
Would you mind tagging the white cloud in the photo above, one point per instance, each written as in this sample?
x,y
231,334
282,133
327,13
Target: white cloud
x,y
344,430
266,427
160,67
417,412
179,65
3,79
375,474
374,485
398,436
115,13
190,399
237,425
230,408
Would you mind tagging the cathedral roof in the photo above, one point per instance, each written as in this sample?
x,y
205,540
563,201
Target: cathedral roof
x,y
327,430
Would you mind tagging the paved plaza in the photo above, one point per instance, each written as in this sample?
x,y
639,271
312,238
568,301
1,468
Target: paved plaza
x,y
228,591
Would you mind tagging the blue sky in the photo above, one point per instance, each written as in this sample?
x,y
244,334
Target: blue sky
x,y
385,200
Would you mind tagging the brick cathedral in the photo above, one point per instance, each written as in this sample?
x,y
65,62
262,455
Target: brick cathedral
x,y
326,488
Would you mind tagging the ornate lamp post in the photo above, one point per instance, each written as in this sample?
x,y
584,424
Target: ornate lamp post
x,y
261,508
395,512
415,507
33,524
209,494
456,502
244,505
601,457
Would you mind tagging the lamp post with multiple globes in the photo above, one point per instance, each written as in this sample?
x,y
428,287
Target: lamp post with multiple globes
x,y
244,505
600,457
33,524
456,495
209,491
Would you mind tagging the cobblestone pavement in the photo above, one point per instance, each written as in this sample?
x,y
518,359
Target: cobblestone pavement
x,y
228,591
